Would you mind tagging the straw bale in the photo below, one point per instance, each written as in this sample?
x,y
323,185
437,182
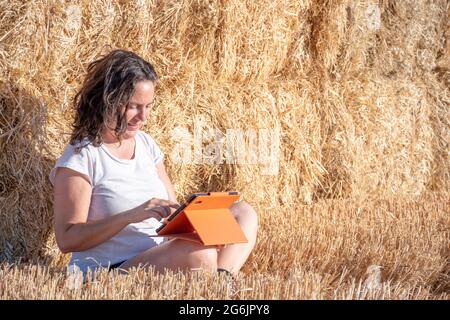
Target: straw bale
x,y
256,39
390,142
285,110
25,203
413,33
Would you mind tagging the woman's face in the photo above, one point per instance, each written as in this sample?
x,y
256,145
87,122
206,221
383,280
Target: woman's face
x,y
138,108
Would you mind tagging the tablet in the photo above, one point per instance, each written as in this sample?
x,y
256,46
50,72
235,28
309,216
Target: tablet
x,y
182,207
190,202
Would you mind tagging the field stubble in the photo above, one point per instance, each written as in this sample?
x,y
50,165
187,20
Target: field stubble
x,y
333,249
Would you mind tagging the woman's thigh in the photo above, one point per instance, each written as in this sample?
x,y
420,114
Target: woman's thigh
x,y
175,255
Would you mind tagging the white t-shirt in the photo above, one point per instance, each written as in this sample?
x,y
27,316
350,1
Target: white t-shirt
x,y
117,185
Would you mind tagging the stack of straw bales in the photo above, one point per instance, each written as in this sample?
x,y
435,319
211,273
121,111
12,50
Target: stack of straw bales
x,y
354,93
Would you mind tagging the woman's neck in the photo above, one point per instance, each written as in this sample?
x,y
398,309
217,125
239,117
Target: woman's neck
x,y
110,138
125,149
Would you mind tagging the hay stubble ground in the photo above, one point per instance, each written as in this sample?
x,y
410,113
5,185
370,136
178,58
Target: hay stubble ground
x,y
328,250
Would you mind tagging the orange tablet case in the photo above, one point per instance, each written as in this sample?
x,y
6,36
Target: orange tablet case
x,y
208,220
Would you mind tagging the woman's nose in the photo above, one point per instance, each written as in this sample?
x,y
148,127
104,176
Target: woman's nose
x,y
142,115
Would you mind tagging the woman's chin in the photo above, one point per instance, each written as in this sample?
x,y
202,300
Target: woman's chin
x,y
130,133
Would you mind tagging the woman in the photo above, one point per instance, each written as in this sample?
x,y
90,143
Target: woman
x,y
111,188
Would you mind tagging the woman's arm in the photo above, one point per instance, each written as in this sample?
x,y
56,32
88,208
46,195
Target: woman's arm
x,y
161,170
72,198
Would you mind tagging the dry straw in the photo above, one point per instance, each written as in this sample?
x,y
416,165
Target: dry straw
x,y
357,89
377,249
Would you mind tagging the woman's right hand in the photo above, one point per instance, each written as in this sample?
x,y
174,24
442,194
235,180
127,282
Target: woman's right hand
x,y
153,208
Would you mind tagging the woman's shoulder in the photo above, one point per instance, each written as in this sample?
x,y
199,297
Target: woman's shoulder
x,y
152,147
81,148
146,138
143,135
78,157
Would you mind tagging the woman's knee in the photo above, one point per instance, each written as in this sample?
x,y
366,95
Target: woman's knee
x,y
243,209
205,258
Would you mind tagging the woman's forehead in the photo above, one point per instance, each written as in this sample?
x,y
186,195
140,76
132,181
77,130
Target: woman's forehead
x,y
144,92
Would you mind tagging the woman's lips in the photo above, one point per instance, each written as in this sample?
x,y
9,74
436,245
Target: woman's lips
x,y
133,126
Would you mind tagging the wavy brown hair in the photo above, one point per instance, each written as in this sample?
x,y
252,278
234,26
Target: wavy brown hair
x,y
106,91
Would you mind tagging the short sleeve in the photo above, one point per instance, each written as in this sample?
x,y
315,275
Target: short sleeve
x,y
155,152
80,162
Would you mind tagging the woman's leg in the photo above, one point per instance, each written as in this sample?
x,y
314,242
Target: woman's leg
x,y
233,256
176,255
184,255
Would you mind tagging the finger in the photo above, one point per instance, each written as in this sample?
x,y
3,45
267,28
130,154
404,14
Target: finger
x,y
174,206
168,211
174,203
164,211
169,204
156,212
172,210
155,202
164,220
162,202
